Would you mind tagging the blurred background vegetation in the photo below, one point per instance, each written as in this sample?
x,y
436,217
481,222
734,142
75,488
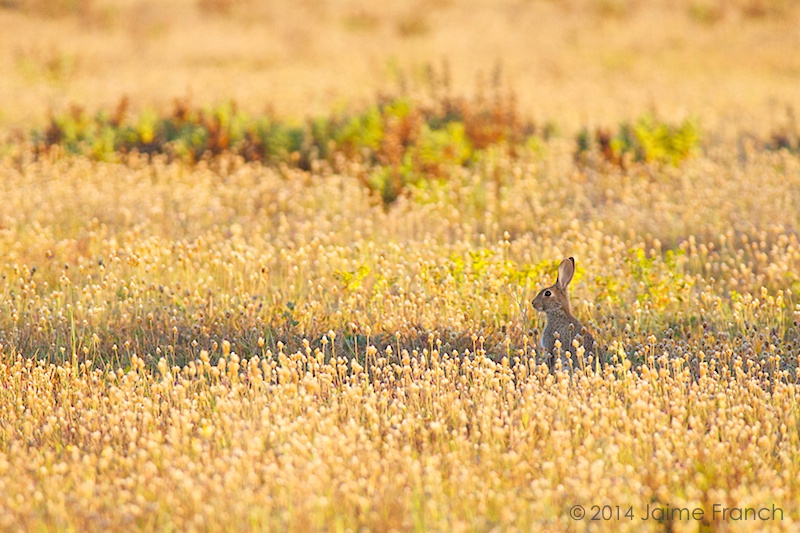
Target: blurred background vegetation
x,y
582,63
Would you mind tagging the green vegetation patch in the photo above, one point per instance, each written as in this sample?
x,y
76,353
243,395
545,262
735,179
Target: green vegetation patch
x,y
400,140
645,140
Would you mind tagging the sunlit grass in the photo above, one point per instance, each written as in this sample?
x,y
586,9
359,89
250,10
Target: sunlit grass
x,y
229,346
421,440
339,336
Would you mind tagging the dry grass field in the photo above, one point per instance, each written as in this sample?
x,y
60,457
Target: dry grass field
x,y
230,345
572,61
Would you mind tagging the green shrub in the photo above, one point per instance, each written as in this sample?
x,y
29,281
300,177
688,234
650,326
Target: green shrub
x,y
645,141
401,141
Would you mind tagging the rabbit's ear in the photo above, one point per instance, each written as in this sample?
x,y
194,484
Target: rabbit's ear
x,y
565,272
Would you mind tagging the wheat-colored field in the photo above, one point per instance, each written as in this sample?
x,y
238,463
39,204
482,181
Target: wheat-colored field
x,y
238,348
222,345
572,61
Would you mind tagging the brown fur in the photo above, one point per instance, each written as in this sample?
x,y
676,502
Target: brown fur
x,y
554,302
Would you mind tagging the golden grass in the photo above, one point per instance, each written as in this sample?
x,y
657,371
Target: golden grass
x,y
184,254
228,346
424,441
572,61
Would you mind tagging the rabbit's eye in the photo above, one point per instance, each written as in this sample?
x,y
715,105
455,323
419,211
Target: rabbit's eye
x,y
548,293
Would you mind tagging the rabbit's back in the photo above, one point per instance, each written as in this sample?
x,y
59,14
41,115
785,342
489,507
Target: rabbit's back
x,y
567,329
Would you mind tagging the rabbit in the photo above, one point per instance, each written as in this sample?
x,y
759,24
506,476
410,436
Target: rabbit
x,y
554,302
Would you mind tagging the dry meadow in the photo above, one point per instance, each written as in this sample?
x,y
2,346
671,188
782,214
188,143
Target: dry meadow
x,y
231,345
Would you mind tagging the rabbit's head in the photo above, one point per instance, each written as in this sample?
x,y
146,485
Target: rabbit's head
x,y
555,298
